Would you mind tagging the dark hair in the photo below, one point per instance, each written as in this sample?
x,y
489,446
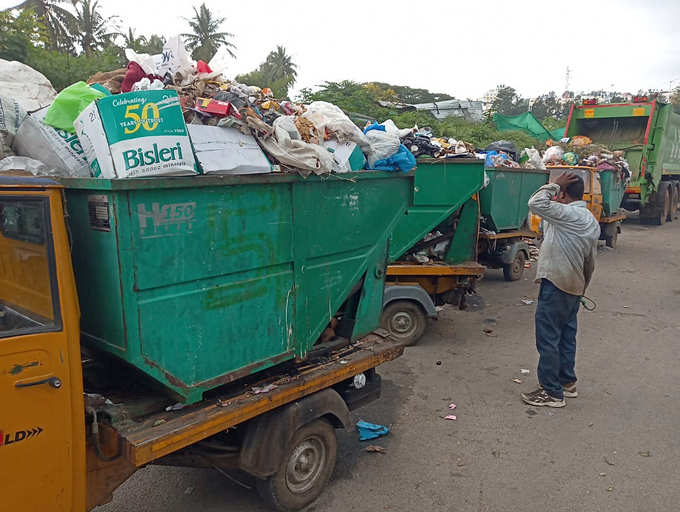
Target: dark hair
x,y
575,190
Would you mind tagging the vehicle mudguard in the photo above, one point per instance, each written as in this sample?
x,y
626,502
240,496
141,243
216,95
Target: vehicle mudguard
x,y
409,292
268,436
507,256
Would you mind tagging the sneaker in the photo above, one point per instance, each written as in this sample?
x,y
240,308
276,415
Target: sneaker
x,y
570,390
541,398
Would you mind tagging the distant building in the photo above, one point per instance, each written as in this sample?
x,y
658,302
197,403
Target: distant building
x,y
470,110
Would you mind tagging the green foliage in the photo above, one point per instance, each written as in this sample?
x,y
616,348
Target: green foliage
x,y
60,22
63,69
278,72
205,37
508,102
410,95
93,29
19,32
260,79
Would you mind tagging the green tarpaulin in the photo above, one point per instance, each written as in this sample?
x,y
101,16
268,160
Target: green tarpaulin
x,y
527,123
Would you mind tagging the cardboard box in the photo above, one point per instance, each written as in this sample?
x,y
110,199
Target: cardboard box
x,y
136,134
57,149
227,151
347,155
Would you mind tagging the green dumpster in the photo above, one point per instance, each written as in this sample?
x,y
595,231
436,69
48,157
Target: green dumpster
x,y
440,188
200,281
613,188
503,202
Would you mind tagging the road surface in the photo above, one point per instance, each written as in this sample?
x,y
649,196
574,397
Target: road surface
x,y
615,448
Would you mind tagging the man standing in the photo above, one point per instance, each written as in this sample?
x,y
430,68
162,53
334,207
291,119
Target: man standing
x,y
565,266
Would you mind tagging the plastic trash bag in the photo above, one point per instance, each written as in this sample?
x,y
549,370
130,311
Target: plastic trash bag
x,y
23,84
147,85
69,104
504,145
11,117
287,123
382,144
23,163
531,158
175,59
570,158
402,160
393,128
553,155
144,60
330,118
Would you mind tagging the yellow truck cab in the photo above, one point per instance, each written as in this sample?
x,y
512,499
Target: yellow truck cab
x,y
63,449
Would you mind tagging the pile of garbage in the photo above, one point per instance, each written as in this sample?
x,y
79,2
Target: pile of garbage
x,y
169,115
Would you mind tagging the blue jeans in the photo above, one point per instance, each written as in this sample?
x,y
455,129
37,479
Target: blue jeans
x,y
556,326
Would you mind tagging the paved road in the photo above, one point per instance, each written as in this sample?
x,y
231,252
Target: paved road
x,y
615,448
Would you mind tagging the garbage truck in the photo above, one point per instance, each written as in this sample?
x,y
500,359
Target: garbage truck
x,y
433,250
648,132
225,322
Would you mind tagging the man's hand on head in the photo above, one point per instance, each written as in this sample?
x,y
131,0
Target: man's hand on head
x,y
565,179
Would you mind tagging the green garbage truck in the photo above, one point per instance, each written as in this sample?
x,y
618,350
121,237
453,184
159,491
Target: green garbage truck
x,y
224,322
648,132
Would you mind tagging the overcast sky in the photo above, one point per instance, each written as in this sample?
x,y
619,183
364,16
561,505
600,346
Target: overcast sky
x,y
462,48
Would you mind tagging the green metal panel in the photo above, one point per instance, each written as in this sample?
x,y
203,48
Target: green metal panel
x,y
440,188
463,246
503,202
199,281
613,188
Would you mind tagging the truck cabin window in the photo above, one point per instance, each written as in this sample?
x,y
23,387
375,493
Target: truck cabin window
x,y
27,278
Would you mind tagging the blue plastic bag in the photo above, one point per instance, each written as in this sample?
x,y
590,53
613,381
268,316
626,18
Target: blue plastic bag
x,y
402,160
371,430
374,126
491,162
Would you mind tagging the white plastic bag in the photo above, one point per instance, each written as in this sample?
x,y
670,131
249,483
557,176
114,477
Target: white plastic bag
x,y
553,155
383,144
23,163
23,84
327,116
176,59
393,128
146,62
287,123
147,85
534,160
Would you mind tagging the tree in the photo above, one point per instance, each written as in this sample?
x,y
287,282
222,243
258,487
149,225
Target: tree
x,y
93,28
131,40
154,44
205,38
18,32
508,102
546,105
279,65
60,22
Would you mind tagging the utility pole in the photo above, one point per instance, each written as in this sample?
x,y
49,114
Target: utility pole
x,y
567,79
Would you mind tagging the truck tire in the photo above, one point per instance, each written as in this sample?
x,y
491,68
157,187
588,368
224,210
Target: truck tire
x,y
610,239
405,320
514,271
305,470
673,206
657,212
676,184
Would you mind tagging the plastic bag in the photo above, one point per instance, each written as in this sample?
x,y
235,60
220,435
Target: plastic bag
x,y
69,104
11,117
391,127
553,155
175,59
23,84
382,145
287,123
570,158
147,85
329,117
23,163
144,60
504,145
402,160
533,158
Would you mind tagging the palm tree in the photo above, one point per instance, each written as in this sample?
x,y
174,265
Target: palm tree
x,y
154,44
205,38
93,28
60,22
131,40
280,65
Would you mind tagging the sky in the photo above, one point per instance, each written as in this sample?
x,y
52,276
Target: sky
x,y
462,48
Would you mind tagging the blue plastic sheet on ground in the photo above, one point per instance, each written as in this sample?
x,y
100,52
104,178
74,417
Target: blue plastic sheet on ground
x,y
401,160
371,430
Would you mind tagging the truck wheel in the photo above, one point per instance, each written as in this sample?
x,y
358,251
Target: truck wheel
x,y
514,271
676,184
673,202
305,471
405,320
657,213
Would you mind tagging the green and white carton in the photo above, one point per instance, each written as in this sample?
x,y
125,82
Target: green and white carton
x,y
136,134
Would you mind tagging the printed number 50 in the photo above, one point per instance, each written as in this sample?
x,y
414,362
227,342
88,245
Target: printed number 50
x,y
149,124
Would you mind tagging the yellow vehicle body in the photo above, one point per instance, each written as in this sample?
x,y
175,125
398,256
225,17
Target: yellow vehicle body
x,y
42,424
